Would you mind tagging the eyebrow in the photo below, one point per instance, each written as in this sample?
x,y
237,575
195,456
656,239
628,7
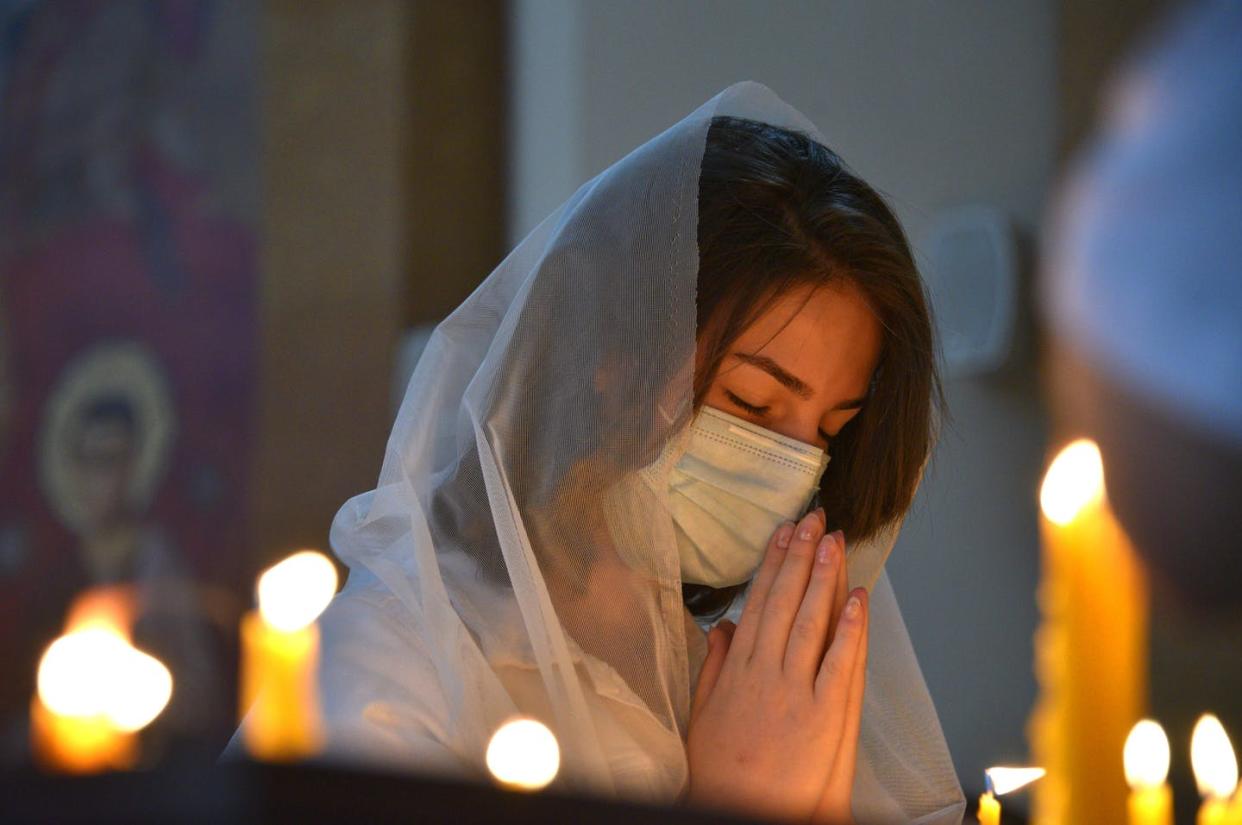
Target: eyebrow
x,y
788,379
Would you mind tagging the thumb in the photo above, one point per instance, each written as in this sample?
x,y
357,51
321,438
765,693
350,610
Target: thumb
x,y
718,640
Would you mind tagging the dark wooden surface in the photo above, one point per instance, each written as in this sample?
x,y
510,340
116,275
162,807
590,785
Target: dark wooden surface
x,y
244,793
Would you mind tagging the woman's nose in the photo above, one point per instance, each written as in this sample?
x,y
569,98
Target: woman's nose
x,y
804,428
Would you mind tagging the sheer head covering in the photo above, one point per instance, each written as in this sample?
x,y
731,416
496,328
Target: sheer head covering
x,y
511,523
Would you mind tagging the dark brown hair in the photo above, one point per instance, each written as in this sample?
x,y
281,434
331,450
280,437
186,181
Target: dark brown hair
x,y
777,211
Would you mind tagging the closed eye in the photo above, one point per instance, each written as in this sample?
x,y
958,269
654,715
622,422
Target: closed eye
x,y
748,407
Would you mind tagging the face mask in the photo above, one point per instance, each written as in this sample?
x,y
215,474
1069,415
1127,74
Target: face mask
x,y
730,490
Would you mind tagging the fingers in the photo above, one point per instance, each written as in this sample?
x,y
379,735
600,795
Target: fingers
x,y
744,637
718,640
841,780
785,596
841,591
809,635
832,684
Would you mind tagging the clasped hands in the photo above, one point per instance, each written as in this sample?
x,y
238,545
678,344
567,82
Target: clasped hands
x,y
774,721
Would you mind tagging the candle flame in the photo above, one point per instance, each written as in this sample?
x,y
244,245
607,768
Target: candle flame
x,y
94,672
1146,755
1074,480
1004,780
295,591
523,754
1213,759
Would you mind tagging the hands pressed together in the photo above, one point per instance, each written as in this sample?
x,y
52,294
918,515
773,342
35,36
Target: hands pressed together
x,y
774,722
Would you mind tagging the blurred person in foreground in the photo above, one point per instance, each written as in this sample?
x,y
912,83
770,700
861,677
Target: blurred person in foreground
x,y
1143,290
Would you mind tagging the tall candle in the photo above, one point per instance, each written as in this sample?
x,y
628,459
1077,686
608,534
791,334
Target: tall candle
x,y
1216,770
1090,648
1235,810
280,654
1146,762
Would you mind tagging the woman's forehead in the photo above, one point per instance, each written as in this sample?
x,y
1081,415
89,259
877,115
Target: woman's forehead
x,y
814,322
827,337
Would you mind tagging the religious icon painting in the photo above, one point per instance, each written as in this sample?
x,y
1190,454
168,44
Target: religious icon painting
x,y
129,214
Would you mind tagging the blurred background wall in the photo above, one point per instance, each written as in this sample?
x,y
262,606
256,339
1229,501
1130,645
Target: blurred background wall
x,y
336,195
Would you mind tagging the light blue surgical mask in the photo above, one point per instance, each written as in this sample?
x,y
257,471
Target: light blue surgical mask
x,y
730,490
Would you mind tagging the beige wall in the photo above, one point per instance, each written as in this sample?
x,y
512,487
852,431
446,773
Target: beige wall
x,y
334,144
457,152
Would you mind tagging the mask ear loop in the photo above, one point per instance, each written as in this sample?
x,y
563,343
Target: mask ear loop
x,y
676,440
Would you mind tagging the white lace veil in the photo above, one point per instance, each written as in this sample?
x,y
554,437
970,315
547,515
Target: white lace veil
x,y
509,521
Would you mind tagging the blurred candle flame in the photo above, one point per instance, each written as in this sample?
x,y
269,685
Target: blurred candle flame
x,y
523,754
1003,780
1146,755
293,592
1074,480
1213,759
94,689
96,672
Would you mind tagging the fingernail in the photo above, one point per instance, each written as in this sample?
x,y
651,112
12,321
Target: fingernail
x,y
823,519
840,538
824,552
852,607
806,530
784,534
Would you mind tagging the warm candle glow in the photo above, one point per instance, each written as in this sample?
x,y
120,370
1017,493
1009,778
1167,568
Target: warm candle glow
x,y
1090,650
1213,759
1001,780
143,688
1006,780
1074,480
294,592
111,608
989,811
94,689
1146,755
523,754
95,672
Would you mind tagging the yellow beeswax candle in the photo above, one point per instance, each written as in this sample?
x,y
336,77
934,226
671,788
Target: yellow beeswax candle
x,y
280,654
79,744
1235,810
1146,761
1216,770
1090,650
989,809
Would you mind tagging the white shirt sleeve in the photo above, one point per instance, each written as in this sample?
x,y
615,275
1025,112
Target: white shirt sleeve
x,y
381,702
